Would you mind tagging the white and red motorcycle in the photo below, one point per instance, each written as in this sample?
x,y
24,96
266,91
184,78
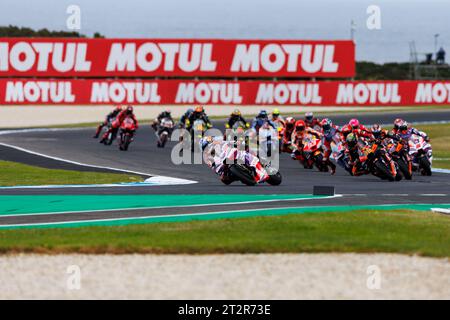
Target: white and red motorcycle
x,y
421,154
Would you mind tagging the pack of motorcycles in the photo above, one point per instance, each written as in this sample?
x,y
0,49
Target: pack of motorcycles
x,y
386,159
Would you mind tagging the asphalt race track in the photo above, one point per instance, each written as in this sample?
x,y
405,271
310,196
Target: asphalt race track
x,y
144,157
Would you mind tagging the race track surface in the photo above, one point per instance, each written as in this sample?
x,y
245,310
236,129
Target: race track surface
x,y
144,157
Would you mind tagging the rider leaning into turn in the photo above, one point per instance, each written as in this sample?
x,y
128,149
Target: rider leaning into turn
x,y
198,114
127,113
331,134
297,138
405,131
110,116
235,117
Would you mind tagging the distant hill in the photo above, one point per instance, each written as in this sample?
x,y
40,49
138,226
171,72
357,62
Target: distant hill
x,y
14,31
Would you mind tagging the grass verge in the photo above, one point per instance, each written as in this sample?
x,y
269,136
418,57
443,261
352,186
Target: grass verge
x,y
402,231
17,174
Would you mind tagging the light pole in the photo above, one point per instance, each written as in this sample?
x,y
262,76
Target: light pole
x,y
436,36
352,30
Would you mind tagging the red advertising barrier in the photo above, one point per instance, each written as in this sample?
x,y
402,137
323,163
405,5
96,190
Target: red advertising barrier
x,y
68,57
321,93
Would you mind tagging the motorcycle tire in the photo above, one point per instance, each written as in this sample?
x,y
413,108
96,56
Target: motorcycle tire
x,y
126,142
275,179
384,170
425,166
243,174
404,169
163,140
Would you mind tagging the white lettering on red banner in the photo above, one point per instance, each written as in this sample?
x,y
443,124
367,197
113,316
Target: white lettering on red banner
x,y
154,92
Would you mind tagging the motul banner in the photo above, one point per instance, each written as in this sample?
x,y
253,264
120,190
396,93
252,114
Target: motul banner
x,y
321,93
68,57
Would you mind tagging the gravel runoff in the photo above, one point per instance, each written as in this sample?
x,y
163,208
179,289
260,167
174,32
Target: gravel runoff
x,y
32,116
229,276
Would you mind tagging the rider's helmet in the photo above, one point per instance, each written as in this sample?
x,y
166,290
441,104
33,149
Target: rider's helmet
x,y
376,131
403,127
262,114
199,109
309,116
290,122
351,140
326,124
129,110
204,142
236,112
354,123
189,111
275,113
300,126
397,123
118,108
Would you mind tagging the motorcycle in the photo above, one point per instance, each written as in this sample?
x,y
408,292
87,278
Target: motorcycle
x,y
421,154
379,162
127,132
112,135
313,153
164,132
197,130
340,156
399,153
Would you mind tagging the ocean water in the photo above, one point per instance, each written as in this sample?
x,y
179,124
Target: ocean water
x,y
402,21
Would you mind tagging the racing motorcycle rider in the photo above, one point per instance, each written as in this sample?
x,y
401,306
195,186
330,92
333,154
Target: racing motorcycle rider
x,y
405,131
287,135
112,115
311,121
185,117
330,133
261,119
236,116
198,114
218,152
277,118
162,115
359,129
127,113
356,161
297,139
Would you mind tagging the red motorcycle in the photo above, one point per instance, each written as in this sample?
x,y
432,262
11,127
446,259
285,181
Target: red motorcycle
x,y
313,152
127,132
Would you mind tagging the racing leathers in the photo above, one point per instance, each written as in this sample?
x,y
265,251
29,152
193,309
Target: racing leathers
x,y
117,123
110,116
297,143
198,116
234,118
162,115
219,154
330,136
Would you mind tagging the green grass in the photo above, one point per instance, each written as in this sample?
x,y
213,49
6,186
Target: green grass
x,y
408,232
440,142
17,174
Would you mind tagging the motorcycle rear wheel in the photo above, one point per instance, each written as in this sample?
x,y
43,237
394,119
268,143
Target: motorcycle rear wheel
x,y
243,174
404,169
425,166
384,170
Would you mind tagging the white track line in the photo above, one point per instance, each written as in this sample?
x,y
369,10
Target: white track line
x,y
163,180
167,207
161,216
